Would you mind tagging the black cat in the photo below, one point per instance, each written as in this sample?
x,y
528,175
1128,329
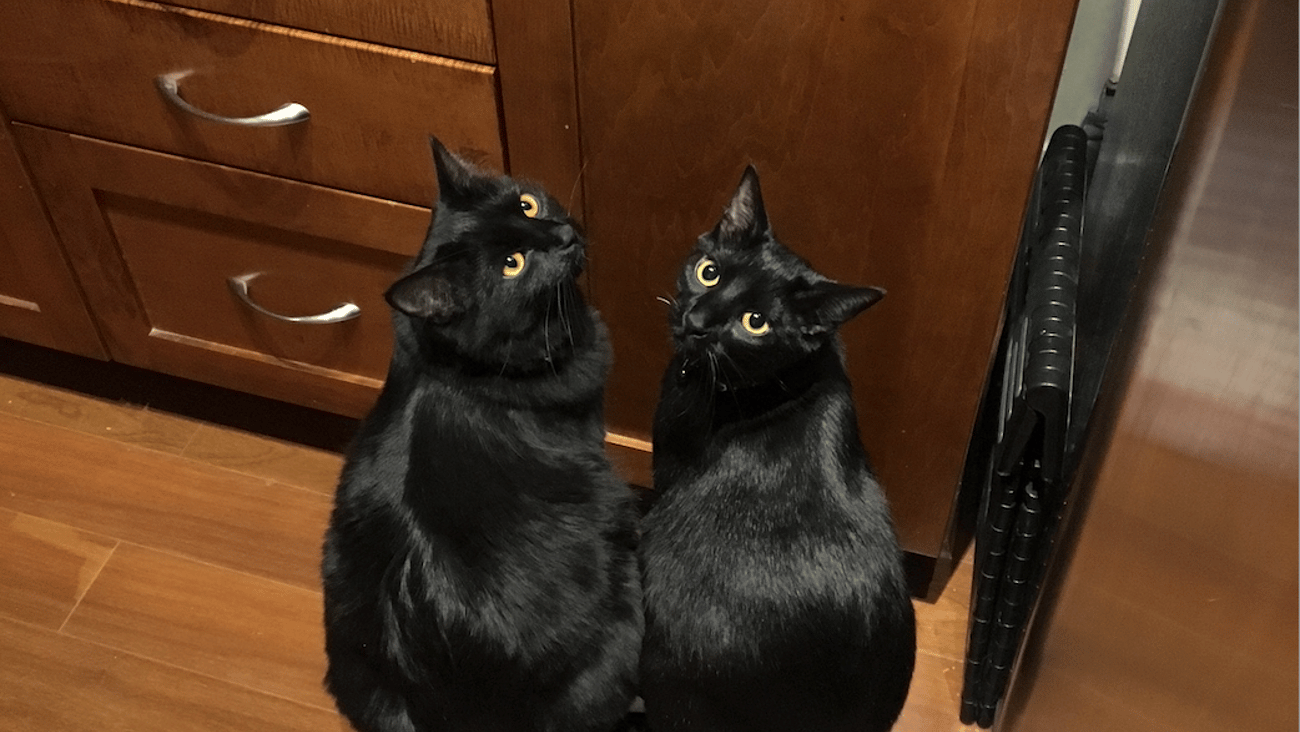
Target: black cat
x,y
479,567
774,592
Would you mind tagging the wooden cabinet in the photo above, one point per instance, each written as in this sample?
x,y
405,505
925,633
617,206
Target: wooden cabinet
x,y
203,244
896,140
40,301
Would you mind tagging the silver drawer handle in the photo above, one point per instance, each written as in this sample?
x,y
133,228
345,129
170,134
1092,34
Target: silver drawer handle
x,y
290,114
340,313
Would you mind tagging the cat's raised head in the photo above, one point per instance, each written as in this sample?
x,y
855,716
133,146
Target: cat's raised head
x,y
496,279
747,307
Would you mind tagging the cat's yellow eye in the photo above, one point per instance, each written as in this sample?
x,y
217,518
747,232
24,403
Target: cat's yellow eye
x,y
755,323
528,204
707,272
514,265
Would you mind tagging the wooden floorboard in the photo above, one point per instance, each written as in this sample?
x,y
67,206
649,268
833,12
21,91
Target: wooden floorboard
x,y
215,621
932,702
941,625
159,500
49,567
120,422
265,457
159,572
55,683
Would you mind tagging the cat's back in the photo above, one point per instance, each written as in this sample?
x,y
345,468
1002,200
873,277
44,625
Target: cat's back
x,y
773,584
438,467
771,499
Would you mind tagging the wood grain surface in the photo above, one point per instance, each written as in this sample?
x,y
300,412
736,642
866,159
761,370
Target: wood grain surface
x,y
39,298
149,428
55,682
176,610
265,457
372,107
457,28
182,506
52,567
144,591
155,238
539,95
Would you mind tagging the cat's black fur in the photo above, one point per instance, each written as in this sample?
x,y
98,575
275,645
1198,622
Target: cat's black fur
x,y
479,567
774,591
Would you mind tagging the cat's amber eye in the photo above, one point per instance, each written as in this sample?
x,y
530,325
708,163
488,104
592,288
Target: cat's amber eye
x,y
707,272
755,323
514,265
528,204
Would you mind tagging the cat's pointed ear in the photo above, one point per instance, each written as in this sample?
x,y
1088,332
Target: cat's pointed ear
x,y
455,177
831,304
425,293
744,217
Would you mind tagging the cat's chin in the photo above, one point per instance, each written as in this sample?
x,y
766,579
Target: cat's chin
x,y
690,372
704,371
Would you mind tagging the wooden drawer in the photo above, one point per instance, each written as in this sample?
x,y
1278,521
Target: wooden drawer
x,y
155,239
89,66
457,28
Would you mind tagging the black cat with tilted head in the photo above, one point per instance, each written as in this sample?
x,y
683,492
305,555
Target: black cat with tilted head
x,y
479,566
774,591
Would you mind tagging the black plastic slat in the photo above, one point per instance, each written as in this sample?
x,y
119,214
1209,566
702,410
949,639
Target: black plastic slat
x,y
1022,499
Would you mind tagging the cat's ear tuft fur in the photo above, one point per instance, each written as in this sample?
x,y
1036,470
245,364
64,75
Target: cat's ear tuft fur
x,y
455,177
425,294
833,304
745,217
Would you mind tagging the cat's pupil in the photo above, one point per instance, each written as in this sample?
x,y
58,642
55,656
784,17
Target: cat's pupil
x,y
757,321
512,262
710,272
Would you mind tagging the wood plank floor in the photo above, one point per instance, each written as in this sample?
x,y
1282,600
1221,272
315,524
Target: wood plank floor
x,y
158,572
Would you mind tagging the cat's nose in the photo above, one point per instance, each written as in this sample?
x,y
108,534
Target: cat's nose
x,y
693,327
567,235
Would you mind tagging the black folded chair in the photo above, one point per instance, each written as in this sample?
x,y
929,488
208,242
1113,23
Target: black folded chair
x,y
1024,492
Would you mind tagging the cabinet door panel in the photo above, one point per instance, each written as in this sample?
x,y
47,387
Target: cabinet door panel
x,y
39,300
896,141
156,239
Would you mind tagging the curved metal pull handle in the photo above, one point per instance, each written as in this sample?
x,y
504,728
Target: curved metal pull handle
x,y
289,114
340,313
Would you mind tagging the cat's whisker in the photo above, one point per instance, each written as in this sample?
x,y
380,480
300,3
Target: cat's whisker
x,y
510,344
566,297
713,382
442,255
738,370
546,332
716,377
560,313
665,300
573,191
